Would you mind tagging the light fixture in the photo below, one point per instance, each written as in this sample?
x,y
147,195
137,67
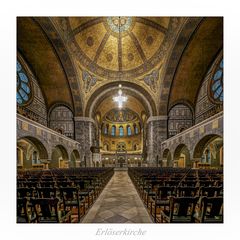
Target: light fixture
x,y
120,99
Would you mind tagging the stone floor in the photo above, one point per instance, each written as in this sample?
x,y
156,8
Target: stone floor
x,y
118,203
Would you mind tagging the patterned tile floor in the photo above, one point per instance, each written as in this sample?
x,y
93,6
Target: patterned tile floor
x,y
118,203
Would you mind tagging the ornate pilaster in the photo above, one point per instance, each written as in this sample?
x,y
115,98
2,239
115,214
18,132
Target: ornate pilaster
x,y
85,134
156,134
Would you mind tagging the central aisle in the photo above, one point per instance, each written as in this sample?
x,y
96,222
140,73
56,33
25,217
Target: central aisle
x,y
118,203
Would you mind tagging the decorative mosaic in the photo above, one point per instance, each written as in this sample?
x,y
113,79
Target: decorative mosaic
x,y
89,81
119,24
151,79
123,115
107,58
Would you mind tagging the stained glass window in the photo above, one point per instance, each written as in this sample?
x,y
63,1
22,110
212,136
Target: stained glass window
x,y
135,129
23,86
129,132
217,83
121,133
106,130
113,133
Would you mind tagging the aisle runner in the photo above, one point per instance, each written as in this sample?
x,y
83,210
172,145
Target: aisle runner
x,y
118,203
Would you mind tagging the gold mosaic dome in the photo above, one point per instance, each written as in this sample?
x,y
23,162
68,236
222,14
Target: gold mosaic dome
x,y
119,47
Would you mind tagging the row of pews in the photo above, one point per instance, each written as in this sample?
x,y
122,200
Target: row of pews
x,y
180,195
58,195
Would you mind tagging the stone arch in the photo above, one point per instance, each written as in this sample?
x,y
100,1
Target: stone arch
x,y
199,147
167,158
132,89
30,146
181,42
74,158
181,156
209,151
59,157
43,153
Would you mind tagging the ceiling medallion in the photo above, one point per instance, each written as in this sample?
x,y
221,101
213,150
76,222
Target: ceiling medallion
x,y
119,24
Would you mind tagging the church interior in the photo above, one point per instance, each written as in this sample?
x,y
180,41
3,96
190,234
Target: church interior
x,y
119,120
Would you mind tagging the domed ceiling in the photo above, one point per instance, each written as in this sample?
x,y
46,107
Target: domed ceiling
x,y
119,48
108,45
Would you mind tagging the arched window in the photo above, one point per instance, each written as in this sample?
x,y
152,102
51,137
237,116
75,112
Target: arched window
x,y
121,133
106,129
129,131
23,86
135,129
216,86
113,132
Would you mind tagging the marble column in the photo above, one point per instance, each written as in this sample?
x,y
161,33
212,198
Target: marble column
x,y
85,134
156,134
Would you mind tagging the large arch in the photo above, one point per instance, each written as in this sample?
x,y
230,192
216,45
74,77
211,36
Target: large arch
x,y
43,153
200,38
209,151
199,147
39,35
129,88
30,152
181,156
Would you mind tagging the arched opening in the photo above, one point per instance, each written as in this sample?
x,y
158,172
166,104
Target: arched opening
x,y
74,159
59,158
209,151
181,156
167,158
30,152
121,132
113,132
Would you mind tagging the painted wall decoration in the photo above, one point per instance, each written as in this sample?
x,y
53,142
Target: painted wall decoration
x,y
180,118
89,81
61,120
151,79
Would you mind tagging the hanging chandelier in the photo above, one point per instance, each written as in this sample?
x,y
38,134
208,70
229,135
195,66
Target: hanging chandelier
x,y
120,99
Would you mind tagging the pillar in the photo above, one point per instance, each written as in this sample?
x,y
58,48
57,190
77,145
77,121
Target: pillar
x,y
156,134
164,163
85,134
195,162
